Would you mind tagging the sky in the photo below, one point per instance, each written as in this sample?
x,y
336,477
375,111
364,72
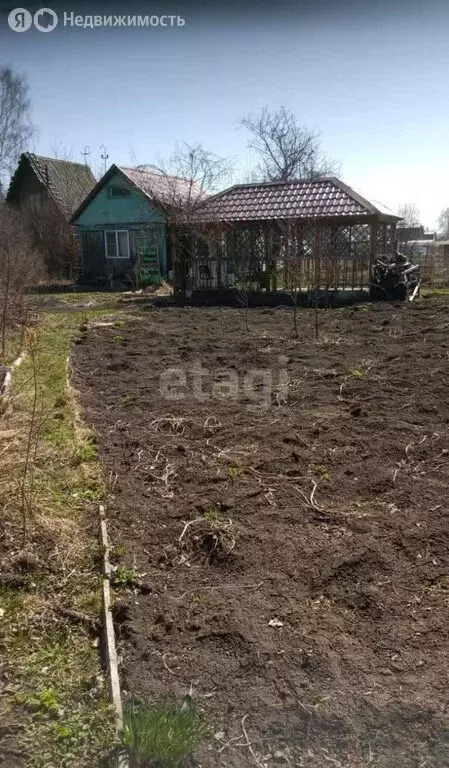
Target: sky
x,y
371,77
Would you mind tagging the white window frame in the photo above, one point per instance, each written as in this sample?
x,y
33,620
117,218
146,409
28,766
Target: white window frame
x,y
117,249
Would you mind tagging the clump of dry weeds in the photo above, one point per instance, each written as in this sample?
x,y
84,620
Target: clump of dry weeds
x,y
209,537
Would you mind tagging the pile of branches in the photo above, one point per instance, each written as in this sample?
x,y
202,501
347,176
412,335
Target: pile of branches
x,y
395,277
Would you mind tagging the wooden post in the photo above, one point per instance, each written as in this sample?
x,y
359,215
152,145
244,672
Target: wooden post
x,y
266,249
373,247
393,237
317,254
171,259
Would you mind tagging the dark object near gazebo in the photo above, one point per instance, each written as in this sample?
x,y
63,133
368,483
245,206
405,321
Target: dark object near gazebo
x,y
395,277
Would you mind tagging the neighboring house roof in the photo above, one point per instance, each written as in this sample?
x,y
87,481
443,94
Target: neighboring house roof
x,y
321,198
161,190
414,233
66,182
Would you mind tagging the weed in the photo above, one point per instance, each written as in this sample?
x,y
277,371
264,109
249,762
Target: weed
x,y
235,472
96,492
212,516
357,373
62,732
209,536
90,603
165,734
125,577
324,472
86,451
429,292
117,552
45,702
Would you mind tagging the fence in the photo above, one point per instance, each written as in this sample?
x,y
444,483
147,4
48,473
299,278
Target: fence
x,y
433,257
287,256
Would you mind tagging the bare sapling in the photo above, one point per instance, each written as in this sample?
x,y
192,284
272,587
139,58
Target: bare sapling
x,y
32,437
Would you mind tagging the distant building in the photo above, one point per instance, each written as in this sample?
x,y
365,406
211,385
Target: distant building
x,y
123,225
406,234
49,190
274,236
42,182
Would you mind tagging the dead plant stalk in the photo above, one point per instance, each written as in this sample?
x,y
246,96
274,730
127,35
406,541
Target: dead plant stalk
x,y
26,503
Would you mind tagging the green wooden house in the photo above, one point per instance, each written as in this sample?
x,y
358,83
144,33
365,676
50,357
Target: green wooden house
x,y
123,226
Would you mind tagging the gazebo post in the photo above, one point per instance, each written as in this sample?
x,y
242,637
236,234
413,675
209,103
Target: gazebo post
x,y
373,247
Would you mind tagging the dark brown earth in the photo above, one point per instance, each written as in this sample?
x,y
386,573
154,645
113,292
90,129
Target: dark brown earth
x,y
338,501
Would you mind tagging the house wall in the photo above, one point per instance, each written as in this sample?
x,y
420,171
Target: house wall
x,y
133,213
53,237
30,194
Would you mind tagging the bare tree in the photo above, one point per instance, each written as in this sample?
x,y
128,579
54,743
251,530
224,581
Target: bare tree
x,y
285,148
16,128
443,224
201,173
180,186
409,213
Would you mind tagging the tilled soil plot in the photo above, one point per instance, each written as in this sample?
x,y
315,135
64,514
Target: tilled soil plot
x,y
294,546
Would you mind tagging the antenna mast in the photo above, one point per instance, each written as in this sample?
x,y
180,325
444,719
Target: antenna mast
x,y
85,153
104,156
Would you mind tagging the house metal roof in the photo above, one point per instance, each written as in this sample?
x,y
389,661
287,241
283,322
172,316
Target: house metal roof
x,y
322,198
161,190
68,183
169,190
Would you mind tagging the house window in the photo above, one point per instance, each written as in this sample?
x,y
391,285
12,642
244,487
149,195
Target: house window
x,y
116,243
118,191
34,202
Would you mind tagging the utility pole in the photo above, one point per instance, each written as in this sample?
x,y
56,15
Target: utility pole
x,y
85,153
104,156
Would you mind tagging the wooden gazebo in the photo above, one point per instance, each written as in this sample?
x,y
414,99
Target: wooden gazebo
x,y
285,236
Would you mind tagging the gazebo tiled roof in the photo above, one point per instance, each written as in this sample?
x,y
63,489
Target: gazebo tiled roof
x,y
321,198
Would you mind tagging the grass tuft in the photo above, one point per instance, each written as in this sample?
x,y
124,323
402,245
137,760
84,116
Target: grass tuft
x,y
86,451
163,734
